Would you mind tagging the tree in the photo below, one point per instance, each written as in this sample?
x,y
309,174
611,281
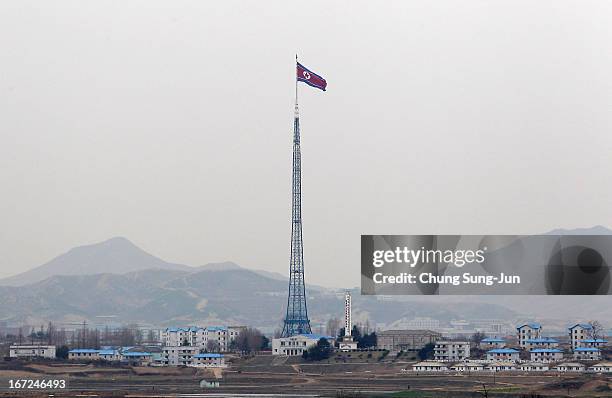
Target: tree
x,y
318,352
597,330
356,333
363,340
151,336
478,337
265,343
333,326
426,352
51,334
62,352
250,340
367,341
212,346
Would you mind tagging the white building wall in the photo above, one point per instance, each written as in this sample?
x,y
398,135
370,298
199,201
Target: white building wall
x,y
31,351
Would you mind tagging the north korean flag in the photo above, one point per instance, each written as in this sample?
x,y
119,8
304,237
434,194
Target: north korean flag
x,y
309,77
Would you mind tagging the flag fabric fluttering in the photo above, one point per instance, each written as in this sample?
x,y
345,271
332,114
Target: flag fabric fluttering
x,y
312,79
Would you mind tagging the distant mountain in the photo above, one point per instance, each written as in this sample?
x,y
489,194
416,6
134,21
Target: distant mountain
x,y
116,255
117,279
232,296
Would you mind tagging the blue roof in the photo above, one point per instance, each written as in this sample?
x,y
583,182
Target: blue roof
x,y
137,354
216,328
83,351
493,340
208,355
108,352
533,325
175,329
595,341
542,340
503,351
582,325
316,336
586,349
547,350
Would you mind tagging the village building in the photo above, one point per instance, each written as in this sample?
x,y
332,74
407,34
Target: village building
x,y
603,367
451,350
503,354
492,342
501,366
467,367
84,354
429,366
534,367
528,331
546,355
405,340
578,333
570,367
593,343
208,360
587,354
296,345
31,351
542,342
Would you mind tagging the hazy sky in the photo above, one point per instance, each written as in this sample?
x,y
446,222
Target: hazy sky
x,y
170,123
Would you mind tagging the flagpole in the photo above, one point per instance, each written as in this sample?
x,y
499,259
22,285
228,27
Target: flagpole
x,y
296,87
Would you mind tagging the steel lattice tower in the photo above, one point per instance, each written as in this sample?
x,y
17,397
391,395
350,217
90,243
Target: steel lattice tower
x,y
296,321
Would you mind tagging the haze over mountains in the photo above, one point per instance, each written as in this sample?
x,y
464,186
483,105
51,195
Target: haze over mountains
x,y
116,278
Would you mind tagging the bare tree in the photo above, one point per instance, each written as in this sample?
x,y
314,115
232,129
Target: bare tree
x,y
151,336
333,325
61,337
250,340
51,334
212,346
597,330
478,337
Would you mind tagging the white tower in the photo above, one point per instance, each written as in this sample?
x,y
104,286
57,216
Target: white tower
x,y
348,324
347,343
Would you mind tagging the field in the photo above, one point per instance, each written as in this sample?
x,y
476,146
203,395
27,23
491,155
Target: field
x,y
274,377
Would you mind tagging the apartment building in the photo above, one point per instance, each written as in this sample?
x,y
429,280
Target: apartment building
x,y
451,350
546,355
578,333
587,353
208,360
178,355
543,342
503,354
212,338
528,331
593,343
